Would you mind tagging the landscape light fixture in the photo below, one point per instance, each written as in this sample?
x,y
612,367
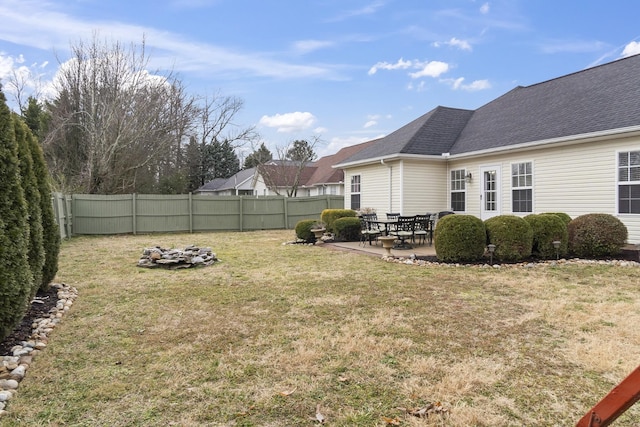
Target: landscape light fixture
x,y
492,249
556,244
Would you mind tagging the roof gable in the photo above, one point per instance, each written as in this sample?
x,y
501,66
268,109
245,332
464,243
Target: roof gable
x,y
431,134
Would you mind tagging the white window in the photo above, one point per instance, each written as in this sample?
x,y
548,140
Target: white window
x,y
458,190
629,182
355,192
522,187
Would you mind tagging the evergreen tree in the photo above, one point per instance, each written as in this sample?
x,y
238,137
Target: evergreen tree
x,y
35,248
15,275
219,160
35,117
259,157
50,230
301,151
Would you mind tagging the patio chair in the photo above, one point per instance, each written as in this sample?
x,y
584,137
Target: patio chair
x,y
368,232
423,229
404,231
392,217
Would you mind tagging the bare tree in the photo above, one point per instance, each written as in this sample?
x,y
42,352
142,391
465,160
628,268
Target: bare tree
x,y
215,126
292,169
115,127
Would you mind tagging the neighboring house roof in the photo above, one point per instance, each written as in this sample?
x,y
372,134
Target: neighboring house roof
x,y
283,176
597,99
238,179
325,173
212,185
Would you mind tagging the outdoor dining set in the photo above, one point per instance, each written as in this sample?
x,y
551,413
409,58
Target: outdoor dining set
x,y
407,230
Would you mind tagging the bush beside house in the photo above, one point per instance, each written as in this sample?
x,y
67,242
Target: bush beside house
x,y
328,216
460,238
512,236
548,228
596,235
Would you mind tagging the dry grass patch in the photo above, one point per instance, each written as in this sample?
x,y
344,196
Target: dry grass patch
x,y
272,331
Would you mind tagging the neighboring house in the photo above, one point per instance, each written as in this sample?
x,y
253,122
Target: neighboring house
x,y
315,179
240,184
328,180
571,144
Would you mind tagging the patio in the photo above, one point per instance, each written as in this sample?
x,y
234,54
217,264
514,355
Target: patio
x,y
420,251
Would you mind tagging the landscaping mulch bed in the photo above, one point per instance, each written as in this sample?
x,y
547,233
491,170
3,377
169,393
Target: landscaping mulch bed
x,y
36,310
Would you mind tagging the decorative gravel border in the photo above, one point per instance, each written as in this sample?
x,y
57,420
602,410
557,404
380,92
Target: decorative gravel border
x,y
14,366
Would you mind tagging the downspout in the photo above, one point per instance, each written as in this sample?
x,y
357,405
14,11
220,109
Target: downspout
x,y
390,184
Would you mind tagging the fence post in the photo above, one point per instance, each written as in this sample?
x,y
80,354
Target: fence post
x,y
286,212
240,210
190,212
134,218
68,215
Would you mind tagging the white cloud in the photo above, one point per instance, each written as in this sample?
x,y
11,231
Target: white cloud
x,y
420,87
42,24
426,69
400,65
320,130
484,9
461,44
458,84
366,10
289,122
306,46
370,123
430,69
631,49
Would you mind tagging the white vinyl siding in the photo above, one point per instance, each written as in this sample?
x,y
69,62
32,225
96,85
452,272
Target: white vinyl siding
x,y
424,187
576,179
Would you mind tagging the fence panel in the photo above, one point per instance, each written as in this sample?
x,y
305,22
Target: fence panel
x,y
158,213
216,213
152,213
102,214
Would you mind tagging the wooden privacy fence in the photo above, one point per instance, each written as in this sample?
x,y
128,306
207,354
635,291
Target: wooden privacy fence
x,y
155,213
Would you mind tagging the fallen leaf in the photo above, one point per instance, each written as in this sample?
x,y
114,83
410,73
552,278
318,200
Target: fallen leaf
x,y
391,421
288,392
343,379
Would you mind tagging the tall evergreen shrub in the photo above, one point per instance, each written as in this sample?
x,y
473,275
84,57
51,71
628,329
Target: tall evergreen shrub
x,y
50,230
15,275
35,248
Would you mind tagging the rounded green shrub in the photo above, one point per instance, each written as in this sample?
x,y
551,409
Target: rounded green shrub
x,y
512,236
459,238
328,216
596,235
548,228
563,216
347,229
303,230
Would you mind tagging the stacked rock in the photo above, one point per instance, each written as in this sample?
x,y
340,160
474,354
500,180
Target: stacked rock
x,y
191,256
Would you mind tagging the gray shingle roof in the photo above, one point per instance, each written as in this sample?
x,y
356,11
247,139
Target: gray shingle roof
x,y
431,134
601,98
596,99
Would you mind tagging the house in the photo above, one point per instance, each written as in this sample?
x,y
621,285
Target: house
x,y
313,179
570,144
240,184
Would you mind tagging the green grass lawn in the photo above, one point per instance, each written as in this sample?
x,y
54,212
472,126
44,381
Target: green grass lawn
x,y
272,332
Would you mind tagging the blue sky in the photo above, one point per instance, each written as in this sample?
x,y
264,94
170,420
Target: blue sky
x,y
346,71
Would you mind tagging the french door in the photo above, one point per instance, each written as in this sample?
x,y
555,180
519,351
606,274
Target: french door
x,y
490,196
